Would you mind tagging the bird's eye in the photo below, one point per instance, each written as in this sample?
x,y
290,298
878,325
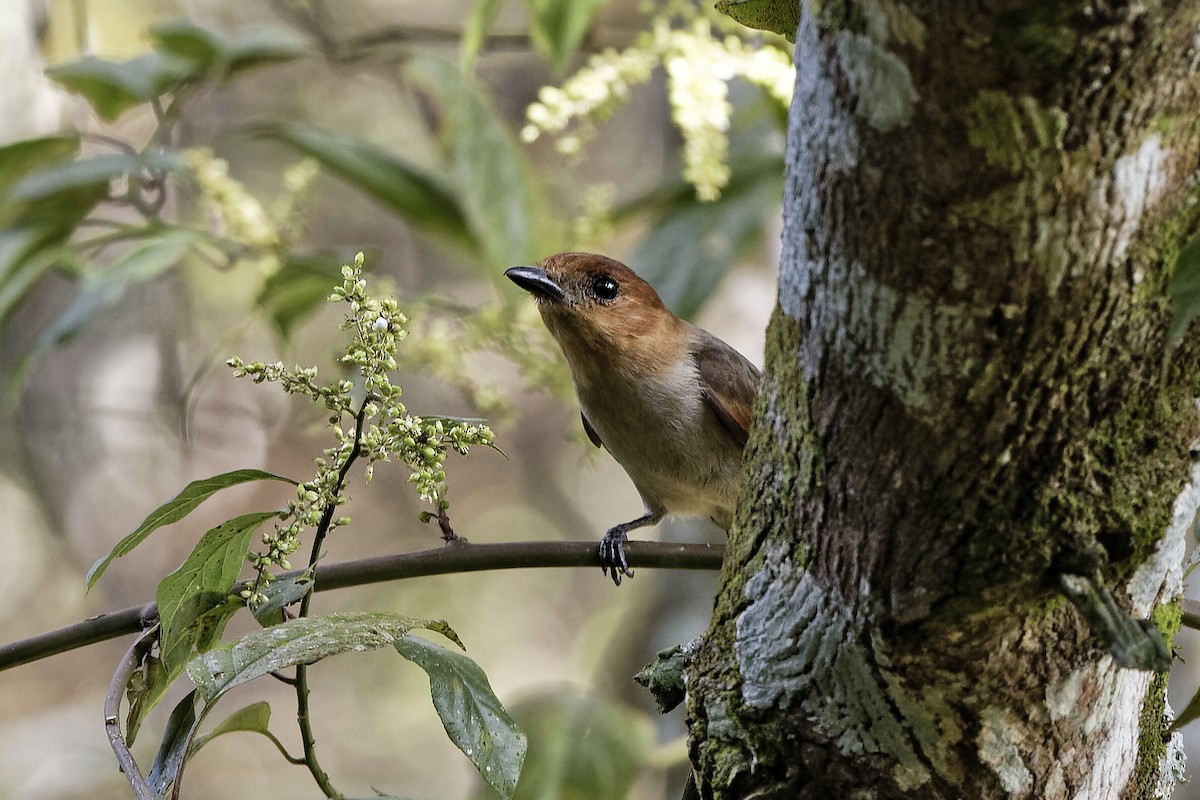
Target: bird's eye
x,y
605,288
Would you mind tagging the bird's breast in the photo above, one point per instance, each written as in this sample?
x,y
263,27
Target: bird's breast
x,y
663,434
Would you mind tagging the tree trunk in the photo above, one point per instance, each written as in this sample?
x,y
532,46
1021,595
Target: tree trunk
x,y
969,394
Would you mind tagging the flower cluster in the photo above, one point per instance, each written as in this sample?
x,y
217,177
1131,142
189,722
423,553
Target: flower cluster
x,y
699,64
380,430
238,216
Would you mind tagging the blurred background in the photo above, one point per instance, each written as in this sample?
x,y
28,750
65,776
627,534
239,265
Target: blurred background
x,y
181,181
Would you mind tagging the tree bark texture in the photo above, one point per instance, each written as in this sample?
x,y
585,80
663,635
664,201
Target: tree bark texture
x,y
969,392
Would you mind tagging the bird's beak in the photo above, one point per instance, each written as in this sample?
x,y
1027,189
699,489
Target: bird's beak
x,y
535,281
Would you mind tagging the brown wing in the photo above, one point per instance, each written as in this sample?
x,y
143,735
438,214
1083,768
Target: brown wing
x,y
591,432
728,383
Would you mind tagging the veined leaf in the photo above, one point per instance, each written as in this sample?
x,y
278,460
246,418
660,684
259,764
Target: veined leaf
x,y
204,580
176,509
473,716
298,641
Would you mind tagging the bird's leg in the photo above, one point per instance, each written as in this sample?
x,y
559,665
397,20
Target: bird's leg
x,y
612,546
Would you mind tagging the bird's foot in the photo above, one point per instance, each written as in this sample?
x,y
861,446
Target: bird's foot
x,y
612,554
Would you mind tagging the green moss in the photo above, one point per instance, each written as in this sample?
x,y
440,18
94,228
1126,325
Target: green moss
x,y
1152,738
1013,134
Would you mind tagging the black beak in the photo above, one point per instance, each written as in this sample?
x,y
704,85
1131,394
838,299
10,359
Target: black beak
x,y
535,281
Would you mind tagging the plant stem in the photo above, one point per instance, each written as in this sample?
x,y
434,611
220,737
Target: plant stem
x,y
303,714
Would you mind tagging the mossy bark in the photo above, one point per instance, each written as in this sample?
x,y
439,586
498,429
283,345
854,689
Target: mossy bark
x,y
969,390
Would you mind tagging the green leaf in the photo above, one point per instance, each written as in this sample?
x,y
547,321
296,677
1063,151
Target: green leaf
x,y
220,54
26,253
498,194
558,27
580,746
777,16
298,641
281,592
173,750
176,509
104,286
65,192
693,244
1184,289
473,716
204,580
299,287
475,31
254,718
146,687
21,158
407,190
114,87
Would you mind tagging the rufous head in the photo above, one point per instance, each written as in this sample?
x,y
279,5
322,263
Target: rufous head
x,y
599,311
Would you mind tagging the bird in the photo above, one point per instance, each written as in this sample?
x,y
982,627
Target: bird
x,y
668,400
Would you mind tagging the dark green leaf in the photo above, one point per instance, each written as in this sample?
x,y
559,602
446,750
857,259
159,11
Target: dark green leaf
x,y
299,287
299,641
206,577
1184,289
113,87
21,158
491,173
473,716
777,16
694,244
475,31
580,746
281,592
254,718
146,687
218,53
176,509
558,27
168,762
65,192
407,190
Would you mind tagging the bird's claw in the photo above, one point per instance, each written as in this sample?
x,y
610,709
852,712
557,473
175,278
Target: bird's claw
x,y
612,555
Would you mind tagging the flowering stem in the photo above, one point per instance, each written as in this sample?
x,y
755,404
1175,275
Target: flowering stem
x,y
303,718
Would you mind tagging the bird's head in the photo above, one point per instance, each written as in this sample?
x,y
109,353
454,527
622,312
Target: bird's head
x,y
602,314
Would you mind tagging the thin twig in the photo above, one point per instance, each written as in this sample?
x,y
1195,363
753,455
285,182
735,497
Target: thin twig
x,y
112,715
399,566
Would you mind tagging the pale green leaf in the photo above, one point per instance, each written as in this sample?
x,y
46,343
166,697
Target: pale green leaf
x,y
298,641
254,718
113,87
473,716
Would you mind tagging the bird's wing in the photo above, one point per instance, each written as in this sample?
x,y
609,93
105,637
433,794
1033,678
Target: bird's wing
x,y
591,432
728,383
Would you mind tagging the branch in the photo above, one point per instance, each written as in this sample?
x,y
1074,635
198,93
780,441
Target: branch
x,y
112,715
454,558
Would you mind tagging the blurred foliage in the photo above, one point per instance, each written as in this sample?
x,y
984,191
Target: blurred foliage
x,y
98,209
137,195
